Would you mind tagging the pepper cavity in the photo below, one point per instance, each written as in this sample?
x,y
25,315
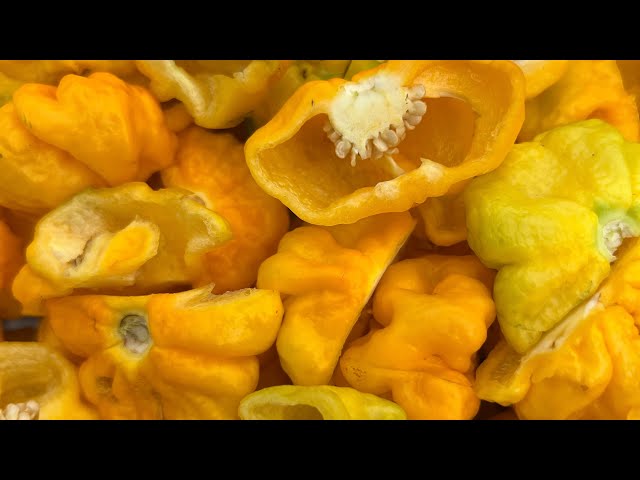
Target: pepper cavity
x,y
368,119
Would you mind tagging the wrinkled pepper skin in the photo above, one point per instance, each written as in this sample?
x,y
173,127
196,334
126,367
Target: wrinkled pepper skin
x,y
11,259
585,368
189,355
127,236
212,166
217,93
116,129
550,219
36,176
474,110
435,312
323,402
33,371
326,277
541,74
588,89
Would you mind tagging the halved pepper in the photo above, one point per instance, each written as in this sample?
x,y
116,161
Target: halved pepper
x,y
38,382
435,311
327,276
217,93
323,402
588,89
11,259
587,366
550,219
339,151
189,355
541,74
212,166
116,129
126,236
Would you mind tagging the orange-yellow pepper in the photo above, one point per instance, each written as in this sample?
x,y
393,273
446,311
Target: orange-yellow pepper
x,y
189,355
116,129
588,89
339,151
51,71
587,366
327,276
212,166
32,372
217,93
126,236
435,311
11,259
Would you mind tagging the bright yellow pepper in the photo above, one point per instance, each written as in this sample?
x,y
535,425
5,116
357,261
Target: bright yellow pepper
x,y
38,382
550,219
588,89
587,366
127,236
435,311
541,74
212,166
327,276
339,151
189,355
324,402
217,93
116,129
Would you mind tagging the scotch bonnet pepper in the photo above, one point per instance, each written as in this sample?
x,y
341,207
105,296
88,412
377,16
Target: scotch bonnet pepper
x,y
550,219
326,276
126,236
584,368
217,93
588,89
189,355
212,166
434,312
323,402
37,382
339,151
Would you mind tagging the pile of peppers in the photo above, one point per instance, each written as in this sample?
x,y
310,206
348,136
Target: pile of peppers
x,y
319,239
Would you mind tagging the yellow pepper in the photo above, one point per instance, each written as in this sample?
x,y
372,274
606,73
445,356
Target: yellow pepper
x,y
584,368
217,93
51,71
550,219
189,355
327,276
339,151
212,166
11,259
127,236
38,382
588,89
34,175
324,402
116,129
435,311
541,74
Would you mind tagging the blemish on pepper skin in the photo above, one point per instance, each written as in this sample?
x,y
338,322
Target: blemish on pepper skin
x,y
312,102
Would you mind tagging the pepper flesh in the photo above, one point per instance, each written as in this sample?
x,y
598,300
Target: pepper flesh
x,y
189,355
119,130
586,367
127,236
549,219
588,89
475,110
327,276
212,166
33,371
324,402
435,312
217,93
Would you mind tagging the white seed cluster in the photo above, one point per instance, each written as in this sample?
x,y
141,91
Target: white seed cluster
x,y
384,142
20,411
